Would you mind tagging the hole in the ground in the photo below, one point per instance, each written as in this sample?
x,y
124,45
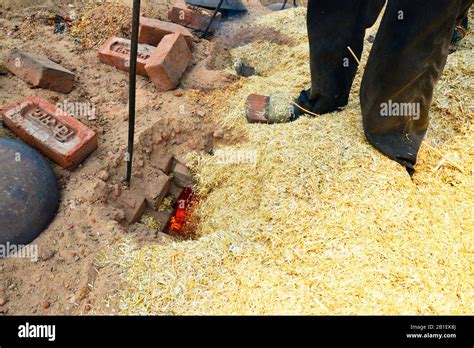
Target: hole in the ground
x,y
182,222
160,199
174,217
245,70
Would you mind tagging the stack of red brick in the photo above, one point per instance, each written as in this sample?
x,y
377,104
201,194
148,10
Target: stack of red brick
x,y
164,49
171,179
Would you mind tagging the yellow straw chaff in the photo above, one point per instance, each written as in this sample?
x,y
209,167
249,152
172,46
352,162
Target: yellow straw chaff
x,y
308,218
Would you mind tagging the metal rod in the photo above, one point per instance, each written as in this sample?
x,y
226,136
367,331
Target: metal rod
x,y
132,87
212,19
284,4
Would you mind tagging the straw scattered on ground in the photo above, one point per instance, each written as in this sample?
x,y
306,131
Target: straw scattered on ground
x,y
114,20
308,218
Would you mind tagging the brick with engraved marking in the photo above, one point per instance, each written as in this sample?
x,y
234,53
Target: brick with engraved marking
x,y
59,136
116,51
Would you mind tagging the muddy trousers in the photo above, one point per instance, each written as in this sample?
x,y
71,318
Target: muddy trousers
x,y
406,61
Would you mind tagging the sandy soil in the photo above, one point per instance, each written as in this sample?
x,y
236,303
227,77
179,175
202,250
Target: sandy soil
x,y
67,277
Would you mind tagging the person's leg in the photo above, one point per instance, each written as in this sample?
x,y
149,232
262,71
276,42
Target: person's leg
x,y
332,26
406,61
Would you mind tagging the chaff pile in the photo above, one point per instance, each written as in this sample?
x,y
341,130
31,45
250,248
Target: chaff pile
x,y
318,222
99,21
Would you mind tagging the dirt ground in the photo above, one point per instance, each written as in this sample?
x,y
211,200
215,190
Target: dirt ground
x,y
67,277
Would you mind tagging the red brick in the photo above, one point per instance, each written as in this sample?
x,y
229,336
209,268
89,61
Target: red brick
x,y
56,134
116,51
257,108
152,31
162,162
169,61
133,204
156,189
163,217
175,190
40,71
193,17
182,175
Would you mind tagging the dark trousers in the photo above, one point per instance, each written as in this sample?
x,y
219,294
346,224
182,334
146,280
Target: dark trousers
x,y
406,61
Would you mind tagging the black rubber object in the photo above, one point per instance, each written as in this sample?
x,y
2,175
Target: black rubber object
x,y
29,193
